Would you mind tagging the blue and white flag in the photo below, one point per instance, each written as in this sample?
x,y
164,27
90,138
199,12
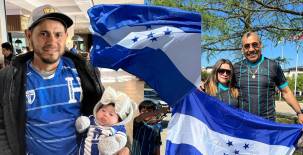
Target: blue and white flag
x,y
204,125
161,45
158,44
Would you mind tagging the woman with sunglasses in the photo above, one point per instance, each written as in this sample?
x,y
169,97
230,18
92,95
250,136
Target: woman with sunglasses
x,y
221,83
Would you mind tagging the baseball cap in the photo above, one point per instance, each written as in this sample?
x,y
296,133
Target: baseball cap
x,y
48,12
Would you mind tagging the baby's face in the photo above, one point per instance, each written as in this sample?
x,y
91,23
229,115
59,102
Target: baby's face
x,y
106,116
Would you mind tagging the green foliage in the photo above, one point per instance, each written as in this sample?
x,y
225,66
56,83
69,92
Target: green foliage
x,y
225,21
291,82
204,75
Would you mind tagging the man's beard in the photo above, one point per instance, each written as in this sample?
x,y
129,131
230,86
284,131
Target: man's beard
x,y
49,60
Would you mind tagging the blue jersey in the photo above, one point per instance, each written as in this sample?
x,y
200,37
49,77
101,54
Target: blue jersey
x,y
53,104
92,138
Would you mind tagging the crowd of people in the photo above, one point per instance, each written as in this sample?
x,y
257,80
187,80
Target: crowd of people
x,y
52,101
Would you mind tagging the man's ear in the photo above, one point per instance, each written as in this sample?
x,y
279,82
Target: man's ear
x,y
28,34
242,50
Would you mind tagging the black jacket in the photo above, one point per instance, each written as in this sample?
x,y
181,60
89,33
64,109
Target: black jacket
x,y
12,100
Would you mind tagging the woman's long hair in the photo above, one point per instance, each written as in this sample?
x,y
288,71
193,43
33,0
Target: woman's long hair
x,y
212,81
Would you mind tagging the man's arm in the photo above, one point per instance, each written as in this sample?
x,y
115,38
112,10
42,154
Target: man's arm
x,y
292,101
151,117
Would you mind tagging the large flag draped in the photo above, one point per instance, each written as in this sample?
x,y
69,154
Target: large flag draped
x,y
144,40
161,45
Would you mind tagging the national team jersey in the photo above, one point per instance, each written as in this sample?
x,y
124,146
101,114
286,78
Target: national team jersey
x,y
90,141
224,95
53,104
257,84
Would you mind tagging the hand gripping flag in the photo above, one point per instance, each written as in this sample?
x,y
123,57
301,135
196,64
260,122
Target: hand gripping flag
x,y
161,45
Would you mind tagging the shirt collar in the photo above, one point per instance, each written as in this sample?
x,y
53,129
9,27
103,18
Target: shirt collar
x,y
222,87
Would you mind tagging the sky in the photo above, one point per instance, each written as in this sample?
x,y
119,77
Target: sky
x,y
269,51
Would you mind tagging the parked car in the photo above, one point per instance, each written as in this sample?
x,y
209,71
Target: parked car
x,y
153,95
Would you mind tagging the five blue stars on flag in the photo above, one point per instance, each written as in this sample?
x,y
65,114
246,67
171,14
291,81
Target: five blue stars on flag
x,y
151,36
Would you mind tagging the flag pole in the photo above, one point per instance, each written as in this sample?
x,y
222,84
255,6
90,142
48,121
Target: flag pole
x,y
283,65
296,73
282,52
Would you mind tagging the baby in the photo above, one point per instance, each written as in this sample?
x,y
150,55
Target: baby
x,y
106,133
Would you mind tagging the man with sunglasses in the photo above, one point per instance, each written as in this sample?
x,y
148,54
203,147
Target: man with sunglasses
x,y
257,77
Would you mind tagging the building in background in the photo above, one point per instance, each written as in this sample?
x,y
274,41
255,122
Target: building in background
x,y
290,72
18,12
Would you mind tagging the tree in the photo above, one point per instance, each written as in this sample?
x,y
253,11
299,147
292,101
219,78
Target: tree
x,y
204,75
281,60
291,82
225,21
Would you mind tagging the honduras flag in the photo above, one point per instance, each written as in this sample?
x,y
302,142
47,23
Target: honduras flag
x,y
161,45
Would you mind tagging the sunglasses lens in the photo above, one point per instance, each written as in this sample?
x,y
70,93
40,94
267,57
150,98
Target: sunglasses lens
x,y
255,45
228,72
222,71
246,46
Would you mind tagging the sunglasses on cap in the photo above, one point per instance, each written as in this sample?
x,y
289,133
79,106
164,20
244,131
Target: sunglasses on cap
x,y
253,45
222,71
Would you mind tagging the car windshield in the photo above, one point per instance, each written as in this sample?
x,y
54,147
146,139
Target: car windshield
x,y
150,93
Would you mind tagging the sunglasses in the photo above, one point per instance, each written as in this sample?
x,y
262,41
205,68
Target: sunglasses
x,y
253,45
222,71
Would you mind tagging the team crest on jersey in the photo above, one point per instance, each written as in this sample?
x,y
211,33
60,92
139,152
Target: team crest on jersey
x,y
73,90
30,96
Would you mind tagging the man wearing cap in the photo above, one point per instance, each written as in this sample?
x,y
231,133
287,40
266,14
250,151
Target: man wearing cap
x,y
257,77
43,92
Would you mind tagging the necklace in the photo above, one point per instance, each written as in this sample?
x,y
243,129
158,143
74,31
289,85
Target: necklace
x,y
253,74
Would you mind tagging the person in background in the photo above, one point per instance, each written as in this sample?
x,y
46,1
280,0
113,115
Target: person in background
x,y
257,77
8,53
221,83
74,49
147,129
45,90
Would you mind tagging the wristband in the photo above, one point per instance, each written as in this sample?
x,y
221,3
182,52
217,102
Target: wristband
x,y
301,112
